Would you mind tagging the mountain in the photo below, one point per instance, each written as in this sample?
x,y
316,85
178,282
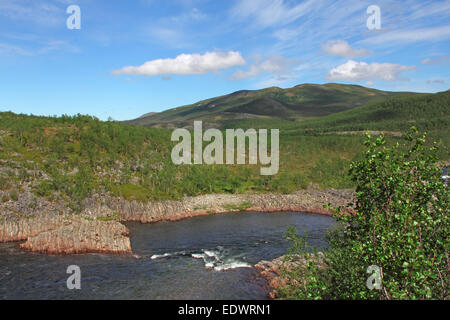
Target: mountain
x,y
293,104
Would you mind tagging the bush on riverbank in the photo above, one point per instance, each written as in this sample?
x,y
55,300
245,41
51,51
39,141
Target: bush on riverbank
x,y
401,228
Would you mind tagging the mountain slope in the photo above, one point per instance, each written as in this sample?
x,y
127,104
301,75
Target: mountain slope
x,y
292,104
427,112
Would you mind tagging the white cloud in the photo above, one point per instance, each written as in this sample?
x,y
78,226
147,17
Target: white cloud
x,y
409,36
360,71
437,60
7,49
342,49
43,13
186,64
426,9
321,21
276,65
436,81
42,47
193,15
265,13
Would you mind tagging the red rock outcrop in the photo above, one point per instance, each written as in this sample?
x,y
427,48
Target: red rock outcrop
x,y
310,201
48,229
272,271
78,235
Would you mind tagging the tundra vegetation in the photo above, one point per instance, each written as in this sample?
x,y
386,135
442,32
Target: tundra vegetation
x,y
73,157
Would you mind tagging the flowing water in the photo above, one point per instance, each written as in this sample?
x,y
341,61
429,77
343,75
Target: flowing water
x,y
209,257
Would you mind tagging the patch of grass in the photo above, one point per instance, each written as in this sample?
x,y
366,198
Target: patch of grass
x,y
203,207
43,189
114,217
238,207
131,192
5,182
13,195
104,218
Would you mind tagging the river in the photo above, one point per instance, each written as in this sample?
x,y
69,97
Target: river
x,y
208,257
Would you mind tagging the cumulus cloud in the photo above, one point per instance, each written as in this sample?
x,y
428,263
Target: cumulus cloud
x,y
276,65
186,64
360,71
342,49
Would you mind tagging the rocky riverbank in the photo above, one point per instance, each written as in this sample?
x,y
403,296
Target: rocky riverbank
x,y
48,227
275,271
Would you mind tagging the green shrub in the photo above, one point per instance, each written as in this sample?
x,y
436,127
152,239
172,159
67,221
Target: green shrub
x,y
5,198
13,195
43,189
401,225
5,182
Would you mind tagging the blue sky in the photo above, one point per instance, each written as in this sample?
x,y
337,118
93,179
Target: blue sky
x,y
133,57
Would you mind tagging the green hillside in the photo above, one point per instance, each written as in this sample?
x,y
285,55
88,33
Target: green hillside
x,y
394,116
430,112
70,158
427,112
293,104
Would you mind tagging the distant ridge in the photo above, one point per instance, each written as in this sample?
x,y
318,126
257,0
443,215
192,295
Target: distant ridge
x,y
298,103
147,114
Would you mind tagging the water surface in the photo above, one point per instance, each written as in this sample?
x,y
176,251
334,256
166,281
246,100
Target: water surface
x,y
209,257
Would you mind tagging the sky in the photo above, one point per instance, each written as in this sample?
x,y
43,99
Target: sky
x,y
125,58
